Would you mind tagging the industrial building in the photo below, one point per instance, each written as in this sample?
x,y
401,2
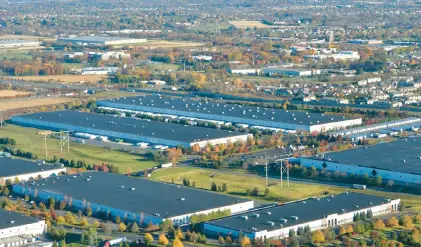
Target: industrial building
x,y
318,213
408,122
289,71
130,129
11,168
100,40
399,161
133,198
17,43
232,113
17,229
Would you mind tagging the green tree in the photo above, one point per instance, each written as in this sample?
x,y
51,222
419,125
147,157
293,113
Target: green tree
x,y
134,228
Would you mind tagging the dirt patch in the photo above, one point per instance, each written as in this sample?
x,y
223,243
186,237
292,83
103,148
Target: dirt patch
x,y
60,78
257,24
29,103
12,93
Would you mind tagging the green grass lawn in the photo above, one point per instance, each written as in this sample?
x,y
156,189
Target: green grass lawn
x,y
113,94
238,184
29,140
15,54
164,66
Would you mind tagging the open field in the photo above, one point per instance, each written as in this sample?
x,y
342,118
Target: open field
x,y
30,140
60,78
26,37
238,185
248,24
114,94
12,93
155,44
28,103
15,55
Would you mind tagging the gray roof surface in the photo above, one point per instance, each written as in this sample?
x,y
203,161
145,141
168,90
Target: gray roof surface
x,y
12,167
95,38
149,197
7,217
387,156
311,210
168,131
232,110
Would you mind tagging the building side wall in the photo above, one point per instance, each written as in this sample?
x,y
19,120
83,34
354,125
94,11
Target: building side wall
x,y
29,176
33,229
412,180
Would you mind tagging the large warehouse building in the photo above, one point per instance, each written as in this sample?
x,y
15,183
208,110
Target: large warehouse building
x,y
23,170
17,43
317,213
15,226
100,40
131,197
135,130
399,161
257,116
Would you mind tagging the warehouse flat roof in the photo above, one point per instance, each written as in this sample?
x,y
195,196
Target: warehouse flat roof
x,y
96,38
306,211
10,167
386,156
167,131
230,110
149,197
7,217
17,41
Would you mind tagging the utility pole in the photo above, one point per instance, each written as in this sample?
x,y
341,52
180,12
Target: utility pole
x,y
266,169
63,141
284,169
45,144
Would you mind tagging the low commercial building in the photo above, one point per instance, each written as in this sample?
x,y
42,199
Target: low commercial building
x,y
134,130
100,40
109,55
16,169
17,43
133,198
287,71
232,113
317,213
15,226
249,71
97,71
396,161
